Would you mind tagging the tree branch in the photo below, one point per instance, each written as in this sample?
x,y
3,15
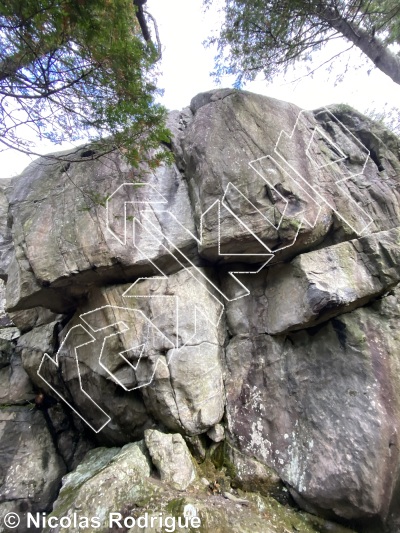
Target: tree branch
x,y
142,20
159,49
373,47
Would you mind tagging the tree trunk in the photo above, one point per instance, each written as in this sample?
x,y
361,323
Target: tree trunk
x,y
378,53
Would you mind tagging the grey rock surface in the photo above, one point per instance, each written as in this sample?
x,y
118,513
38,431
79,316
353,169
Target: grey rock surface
x,y
70,434
171,457
15,385
105,482
5,320
291,195
53,268
307,403
163,363
31,469
216,433
248,473
244,300
32,346
316,286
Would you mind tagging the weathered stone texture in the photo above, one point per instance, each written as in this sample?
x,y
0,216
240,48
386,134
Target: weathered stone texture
x,y
62,246
243,302
322,407
31,470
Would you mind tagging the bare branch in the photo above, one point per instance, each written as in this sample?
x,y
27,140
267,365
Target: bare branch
x,y
159,47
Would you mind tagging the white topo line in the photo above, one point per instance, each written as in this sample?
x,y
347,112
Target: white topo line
x,y
154,202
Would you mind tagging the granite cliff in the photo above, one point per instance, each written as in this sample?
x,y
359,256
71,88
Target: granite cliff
x,y
218,338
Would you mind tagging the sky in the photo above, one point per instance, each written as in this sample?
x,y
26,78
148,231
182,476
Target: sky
x,y
186,65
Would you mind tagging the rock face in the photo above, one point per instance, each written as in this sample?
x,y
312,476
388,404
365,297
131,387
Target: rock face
x,y
170,364
309,174
317,285
240,307
171,457
61,245
307,402
116,488
31,469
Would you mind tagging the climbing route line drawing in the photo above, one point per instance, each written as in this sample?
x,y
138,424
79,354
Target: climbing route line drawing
x,y
149,346
281,162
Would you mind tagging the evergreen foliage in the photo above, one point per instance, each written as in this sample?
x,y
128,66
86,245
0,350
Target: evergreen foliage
x,y
73,69
269,36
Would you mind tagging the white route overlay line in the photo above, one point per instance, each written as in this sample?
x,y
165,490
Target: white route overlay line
x,y
200,277
126,328
156,234
301,180
104,417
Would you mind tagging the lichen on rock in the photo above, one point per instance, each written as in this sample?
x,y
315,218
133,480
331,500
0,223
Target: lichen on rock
x,y
218,337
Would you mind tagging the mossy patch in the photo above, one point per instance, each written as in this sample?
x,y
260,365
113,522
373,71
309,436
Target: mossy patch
x,y
175,507
220,459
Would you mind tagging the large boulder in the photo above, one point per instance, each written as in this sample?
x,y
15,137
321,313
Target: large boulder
x,y
68,237
322,407
274,172
244,299
171,457
138,354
